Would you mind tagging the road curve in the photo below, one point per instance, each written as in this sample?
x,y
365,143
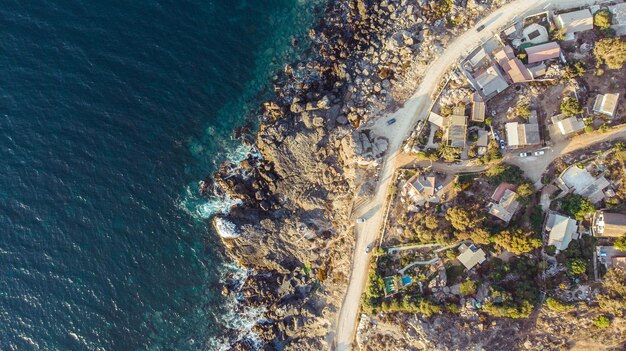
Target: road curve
x,y
414,110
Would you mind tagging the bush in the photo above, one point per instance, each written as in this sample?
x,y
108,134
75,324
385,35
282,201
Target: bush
x,y
461,219
602,322
571,107
557,306
602,19
505,173
522,111
610,51
550,250
576,206
508,310
620,243
525,191
576,266
468,287
576,69
449,153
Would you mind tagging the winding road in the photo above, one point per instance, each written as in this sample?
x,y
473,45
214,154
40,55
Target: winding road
x,y
414,110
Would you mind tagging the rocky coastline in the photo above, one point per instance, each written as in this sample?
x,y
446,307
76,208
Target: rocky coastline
x,y
314,154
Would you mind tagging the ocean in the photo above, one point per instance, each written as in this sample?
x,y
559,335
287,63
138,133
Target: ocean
x,y
110,114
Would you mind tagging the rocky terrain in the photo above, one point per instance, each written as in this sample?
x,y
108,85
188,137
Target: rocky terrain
x,y
313,152
543,330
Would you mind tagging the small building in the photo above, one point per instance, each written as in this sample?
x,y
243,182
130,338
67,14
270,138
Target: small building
x,y
606,104
489,81
561,230
505,207
618,13
482,142
611,257
478,108
471,256
535,33
581,182
574,22
570,125
437,119
522,134
421,187
543,52
607,224
537,71
456,131
511,65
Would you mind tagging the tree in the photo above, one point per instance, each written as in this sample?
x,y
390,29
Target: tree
x,y
525,191
468,287
576,266
620,243
461,219
517,241
522,111
449,153
602,19
610,51
576,206
431,222
480,236
613,299
571,107
505,173
576,69
557,305
558,34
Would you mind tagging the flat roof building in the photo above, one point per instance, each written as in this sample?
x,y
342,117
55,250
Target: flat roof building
x,y
513,67
607,224
478,108
505,207
618,19
489,81
519,134
456,131
583,183
570,125
606,104
542,52
575,22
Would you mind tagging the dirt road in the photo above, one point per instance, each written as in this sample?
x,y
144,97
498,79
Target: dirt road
x,y
415,109
534,166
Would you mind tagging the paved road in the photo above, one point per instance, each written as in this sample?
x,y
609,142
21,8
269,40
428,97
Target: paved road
x,y
415,109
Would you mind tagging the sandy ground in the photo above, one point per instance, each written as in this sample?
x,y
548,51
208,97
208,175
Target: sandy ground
x,y
414,110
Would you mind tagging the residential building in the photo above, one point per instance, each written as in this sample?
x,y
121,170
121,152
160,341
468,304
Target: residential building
x,y
542,52
611,257
537,71
456,131
513,66
505,207
561,229
618,18
421,188
478,108
607,224
489,81
581,182
471,256
570,125
606,104
535,33
522,134
574,22
437,119
482,142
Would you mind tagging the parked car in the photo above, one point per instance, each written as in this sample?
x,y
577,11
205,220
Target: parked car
x,y
360,220
368,249
502,144
481,27
524,154
391,121
539,153
439,187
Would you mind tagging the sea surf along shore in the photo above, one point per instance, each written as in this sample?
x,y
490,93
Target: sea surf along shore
x,y
315,157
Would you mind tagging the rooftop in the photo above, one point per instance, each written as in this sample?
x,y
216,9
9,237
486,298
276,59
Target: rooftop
x,y
471,256
506,207
609,224
619,18
543,52
574,22
478,108
561,229
518,134
570,125
584,184
456,131
606,104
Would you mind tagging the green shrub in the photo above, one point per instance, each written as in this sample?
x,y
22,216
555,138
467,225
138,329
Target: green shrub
x,y
602,19
557,306
576,206
602,322
468,287
576,266
571,107
610,51
620,243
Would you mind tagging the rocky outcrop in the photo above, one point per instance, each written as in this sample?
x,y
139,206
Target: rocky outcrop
x,y
295,191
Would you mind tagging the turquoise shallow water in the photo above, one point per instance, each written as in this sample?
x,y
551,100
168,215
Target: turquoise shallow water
x,y
110,113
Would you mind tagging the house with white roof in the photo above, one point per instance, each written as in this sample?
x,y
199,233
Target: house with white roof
x,y
574,22
471,256
561,229
570,125
606,104
581,182
618,18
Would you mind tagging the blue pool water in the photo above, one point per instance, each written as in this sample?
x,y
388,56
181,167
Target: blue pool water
x,y
110,113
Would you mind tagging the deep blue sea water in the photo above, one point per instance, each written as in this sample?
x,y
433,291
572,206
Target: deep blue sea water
x,y
110,113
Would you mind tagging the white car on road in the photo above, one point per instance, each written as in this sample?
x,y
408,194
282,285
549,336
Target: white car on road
x,y
539,153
